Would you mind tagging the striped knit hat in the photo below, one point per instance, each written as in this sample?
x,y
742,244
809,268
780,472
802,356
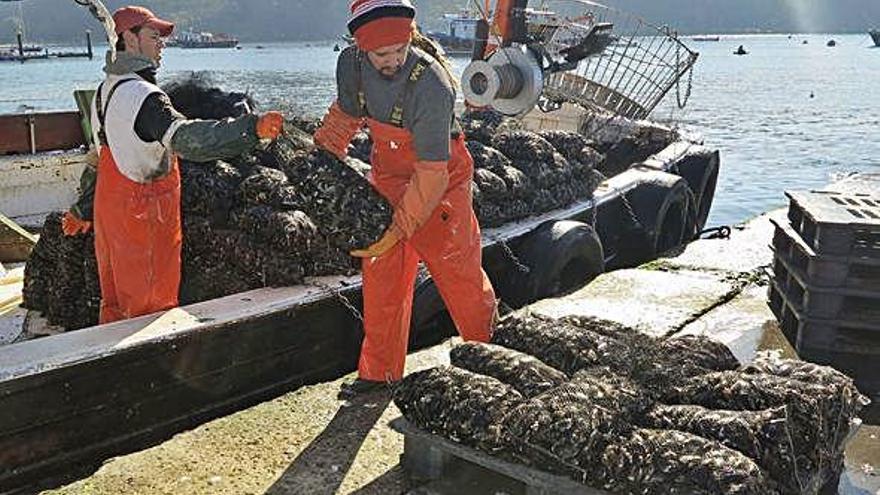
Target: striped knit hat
x,y
378,23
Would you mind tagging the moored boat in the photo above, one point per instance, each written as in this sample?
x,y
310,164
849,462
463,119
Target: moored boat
x,y
191,39
875,35
460,35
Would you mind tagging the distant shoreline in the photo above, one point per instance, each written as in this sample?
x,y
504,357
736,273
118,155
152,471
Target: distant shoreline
x,y
688,34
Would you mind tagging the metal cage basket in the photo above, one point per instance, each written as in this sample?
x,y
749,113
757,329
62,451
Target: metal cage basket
x,y
636,65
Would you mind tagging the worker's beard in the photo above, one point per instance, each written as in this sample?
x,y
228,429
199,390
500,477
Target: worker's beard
x,y
390,71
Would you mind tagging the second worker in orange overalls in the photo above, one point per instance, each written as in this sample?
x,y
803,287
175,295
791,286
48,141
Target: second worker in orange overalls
x,y
405,96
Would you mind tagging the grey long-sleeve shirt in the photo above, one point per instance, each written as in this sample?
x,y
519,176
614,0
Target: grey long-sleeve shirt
x,y
427,109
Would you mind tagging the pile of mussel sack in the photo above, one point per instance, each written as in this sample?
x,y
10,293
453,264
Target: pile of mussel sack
x,y
287,211
621,411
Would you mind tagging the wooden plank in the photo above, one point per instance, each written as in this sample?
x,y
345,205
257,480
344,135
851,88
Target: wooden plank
x,y
51,131
16,243
422,454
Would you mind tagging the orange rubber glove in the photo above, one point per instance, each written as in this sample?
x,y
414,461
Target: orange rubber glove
x,y
270,125
72,225
424,192
389,239
336,131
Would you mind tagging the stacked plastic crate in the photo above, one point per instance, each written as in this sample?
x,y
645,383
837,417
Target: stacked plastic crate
x,y
826,282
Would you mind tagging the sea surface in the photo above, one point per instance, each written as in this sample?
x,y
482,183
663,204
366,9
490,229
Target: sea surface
x,y
786,116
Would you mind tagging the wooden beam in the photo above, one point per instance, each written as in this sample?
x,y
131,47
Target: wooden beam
x,y
16,243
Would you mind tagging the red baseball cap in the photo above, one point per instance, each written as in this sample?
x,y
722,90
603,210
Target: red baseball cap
x,y
130,17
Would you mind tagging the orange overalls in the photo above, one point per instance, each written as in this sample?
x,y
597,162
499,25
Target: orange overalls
x,y
449,244
138,239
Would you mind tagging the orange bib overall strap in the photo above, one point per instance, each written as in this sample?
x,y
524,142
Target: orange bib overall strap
x,y
138,239
449,244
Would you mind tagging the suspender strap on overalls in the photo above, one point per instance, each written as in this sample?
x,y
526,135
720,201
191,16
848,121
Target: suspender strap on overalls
x,y
102,109
395,117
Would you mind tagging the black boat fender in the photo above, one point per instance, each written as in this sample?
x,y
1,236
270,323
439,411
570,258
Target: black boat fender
x,y
700,170
662,216
560,256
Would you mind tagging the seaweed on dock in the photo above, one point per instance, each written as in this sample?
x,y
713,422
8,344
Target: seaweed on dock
x,y
564,431
459,405
668,461
557,343
638,414
764,436
527,374
699,350
818,415
575,343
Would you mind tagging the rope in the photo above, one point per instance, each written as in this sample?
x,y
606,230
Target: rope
x,y
722,232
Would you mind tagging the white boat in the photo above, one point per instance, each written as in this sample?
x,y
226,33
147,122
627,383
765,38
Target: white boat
x,y
191,39
460,34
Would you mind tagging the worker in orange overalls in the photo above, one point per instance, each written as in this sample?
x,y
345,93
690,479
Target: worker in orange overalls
x,y
140,135
394,82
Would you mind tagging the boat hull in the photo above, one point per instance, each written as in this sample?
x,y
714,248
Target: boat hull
x,y
207,44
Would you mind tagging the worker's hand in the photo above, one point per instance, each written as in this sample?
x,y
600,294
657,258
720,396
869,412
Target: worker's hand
x,y
389,239
72,225
270,125
336,131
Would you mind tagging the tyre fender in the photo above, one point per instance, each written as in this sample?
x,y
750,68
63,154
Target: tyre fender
x,y
663,205
560,255
700,170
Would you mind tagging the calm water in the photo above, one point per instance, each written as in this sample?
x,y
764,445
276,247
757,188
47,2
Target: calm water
x,y
756,109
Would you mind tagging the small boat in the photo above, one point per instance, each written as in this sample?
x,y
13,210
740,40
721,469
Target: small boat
x,y
740,51
190,39
831,43
875,35
706,38
460,35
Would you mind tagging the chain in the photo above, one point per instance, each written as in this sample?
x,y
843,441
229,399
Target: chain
x,y
594,215
690,82
632,213
345,301
511,255
626,205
